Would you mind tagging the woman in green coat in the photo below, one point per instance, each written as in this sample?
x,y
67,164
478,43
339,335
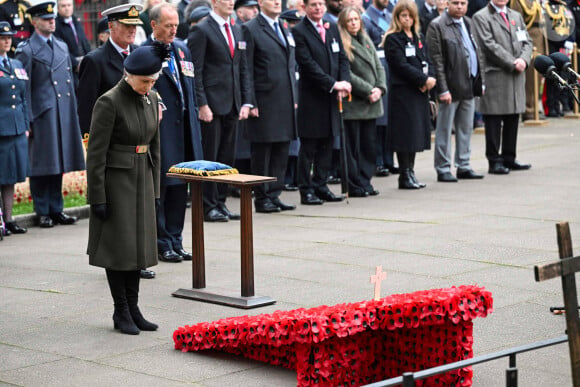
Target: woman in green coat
x,y
123,184
368,85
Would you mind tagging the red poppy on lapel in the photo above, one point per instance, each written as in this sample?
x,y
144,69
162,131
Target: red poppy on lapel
x,y
326,25
513,23
285,25
1,74
420,44
232,21
181,53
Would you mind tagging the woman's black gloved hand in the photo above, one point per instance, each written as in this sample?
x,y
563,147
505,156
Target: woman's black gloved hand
x,y
101,211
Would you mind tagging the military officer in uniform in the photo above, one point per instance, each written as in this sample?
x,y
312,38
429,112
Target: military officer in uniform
x,y
531,11
14,12
55,145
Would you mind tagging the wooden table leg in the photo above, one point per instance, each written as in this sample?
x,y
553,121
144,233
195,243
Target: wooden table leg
x,y
197,238
247,241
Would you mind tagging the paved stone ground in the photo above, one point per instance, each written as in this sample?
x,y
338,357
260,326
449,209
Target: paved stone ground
x,y
55,310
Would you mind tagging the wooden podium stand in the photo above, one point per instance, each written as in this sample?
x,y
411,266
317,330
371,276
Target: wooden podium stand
x,y
199,292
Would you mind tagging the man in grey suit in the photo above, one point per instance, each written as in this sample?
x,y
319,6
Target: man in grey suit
x,y
458,81
55,145
222,86
506,46
272,124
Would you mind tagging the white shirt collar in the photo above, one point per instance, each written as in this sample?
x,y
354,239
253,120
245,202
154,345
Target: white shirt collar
x,y
504,9
220,20
119,48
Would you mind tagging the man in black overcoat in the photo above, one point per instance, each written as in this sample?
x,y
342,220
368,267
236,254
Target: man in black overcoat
x,y
272,123
222,86
324,78
180,133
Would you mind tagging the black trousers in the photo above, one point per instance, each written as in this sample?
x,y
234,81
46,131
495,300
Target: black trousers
x,y
501,130
219,144
171,216
269,159
315,155
361,139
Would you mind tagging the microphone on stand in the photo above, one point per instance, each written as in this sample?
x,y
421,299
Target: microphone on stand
x,y
563,64
546,66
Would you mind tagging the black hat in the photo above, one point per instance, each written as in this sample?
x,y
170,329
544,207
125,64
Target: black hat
x,y
245,3
291,15
43,10
5,29
198,13
103,25
147,60
124,13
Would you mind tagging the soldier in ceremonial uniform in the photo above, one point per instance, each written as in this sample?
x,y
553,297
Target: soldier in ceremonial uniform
x,y
532,13
14,12
55,145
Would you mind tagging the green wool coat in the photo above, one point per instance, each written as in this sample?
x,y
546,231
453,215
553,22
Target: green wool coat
x,y
126,181
366,72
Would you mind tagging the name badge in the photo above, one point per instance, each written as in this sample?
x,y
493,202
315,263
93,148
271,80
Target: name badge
x,y
409,50
241,45
521,35
291,42
187,68
21,74
334,46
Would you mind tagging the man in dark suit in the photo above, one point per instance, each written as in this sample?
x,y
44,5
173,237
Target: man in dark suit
x,y
101,69
55,145
272,123
179,128
324,78
70,30
222,86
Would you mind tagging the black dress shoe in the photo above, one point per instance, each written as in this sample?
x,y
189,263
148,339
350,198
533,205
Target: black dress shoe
x,y
290,187
170,256
517,166
373,192
266,207
381,171
498,169
215,215
14,228
230,215
358,194
333,180
310,199
45,221
328,196
393,169
446,177
62,218
184,254
468,174
146,274
283,206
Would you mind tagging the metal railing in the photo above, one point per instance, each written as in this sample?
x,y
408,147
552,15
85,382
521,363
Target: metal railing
x,y
408,378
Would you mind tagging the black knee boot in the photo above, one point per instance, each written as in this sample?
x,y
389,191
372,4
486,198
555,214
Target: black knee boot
x,y
132,288
405,178
121,317
412,170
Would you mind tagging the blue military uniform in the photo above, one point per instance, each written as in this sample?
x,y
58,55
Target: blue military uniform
x,y
55,144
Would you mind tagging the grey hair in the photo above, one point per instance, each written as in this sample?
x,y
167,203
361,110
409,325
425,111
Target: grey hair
x,y
155,13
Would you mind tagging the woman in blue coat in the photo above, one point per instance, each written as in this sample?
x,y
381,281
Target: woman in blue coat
x,y
13,127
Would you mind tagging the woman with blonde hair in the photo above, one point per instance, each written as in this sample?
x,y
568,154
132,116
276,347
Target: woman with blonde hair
x,y
368,85
411,78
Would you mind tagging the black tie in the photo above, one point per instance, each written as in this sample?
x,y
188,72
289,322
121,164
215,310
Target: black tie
x,y
6,64
49,42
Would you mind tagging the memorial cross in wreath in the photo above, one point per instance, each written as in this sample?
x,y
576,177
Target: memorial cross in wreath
x,y
376,279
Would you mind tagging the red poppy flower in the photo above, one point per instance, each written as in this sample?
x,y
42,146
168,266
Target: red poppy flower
x,y
326,25
420,44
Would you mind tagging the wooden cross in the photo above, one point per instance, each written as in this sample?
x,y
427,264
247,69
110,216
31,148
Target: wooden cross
x,y
376,279
566,268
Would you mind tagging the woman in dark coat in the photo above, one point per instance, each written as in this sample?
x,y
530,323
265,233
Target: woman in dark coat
x,y
123,166
411,78
13,127
368,85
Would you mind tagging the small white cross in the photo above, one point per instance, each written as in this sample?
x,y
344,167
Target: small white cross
x,y
376,279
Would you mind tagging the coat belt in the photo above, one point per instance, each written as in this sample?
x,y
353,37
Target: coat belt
x,y
130,148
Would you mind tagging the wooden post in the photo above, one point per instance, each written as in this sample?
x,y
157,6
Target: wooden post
x,y
536,121
566,268
575,113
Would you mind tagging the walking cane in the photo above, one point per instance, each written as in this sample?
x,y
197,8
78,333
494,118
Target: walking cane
x,y
343,164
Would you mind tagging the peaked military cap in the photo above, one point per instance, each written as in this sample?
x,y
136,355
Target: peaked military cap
x,y
124,13
291,15
43,10
5,29
245,3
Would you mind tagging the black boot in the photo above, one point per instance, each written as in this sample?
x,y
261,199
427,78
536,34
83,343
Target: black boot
x,y
405,179
412,171
132,289
121,317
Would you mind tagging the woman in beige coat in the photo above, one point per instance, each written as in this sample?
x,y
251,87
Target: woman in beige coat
x,y
368,86
123,184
